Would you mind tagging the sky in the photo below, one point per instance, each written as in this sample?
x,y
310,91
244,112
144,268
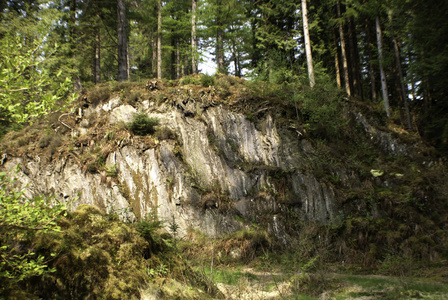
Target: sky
x,y
207,66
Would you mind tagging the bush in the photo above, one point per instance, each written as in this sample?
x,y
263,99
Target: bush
x,y
207,80
192,79
21,220
142,124
321,107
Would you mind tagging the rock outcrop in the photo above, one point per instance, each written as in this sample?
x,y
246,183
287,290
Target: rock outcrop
x,y
220,171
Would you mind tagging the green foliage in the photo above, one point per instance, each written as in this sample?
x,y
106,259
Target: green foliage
x,y
142,124
207,80
322,107
27,90
148,225
21,220
112,171
190,80
132,97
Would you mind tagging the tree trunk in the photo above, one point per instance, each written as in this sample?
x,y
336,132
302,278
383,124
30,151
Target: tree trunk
x,y
402,86
219,40
177,59
172,63
122,41
128,64
159,39
336,59
154,55
369,53
235,58
97,57
309,57
343,53
354,59
194,63
379,38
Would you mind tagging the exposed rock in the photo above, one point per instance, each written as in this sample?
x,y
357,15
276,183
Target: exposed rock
x,y
384,140
123,113
111,104
260,173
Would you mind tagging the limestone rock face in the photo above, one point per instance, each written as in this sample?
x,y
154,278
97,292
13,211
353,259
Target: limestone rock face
x,y
222,169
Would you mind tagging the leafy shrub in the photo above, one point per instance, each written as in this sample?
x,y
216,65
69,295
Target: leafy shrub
x,y
21,220
207,80
189,80
321,107
160,98
142,124
112,171
148,225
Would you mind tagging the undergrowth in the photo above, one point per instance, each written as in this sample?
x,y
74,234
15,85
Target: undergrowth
x,y
99,256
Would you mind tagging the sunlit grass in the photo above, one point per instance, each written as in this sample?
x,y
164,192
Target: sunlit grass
x,y
226,276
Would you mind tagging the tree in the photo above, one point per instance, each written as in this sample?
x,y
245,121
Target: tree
x,y
309,58
194,63
122,37
159,39
343,51
379,37
27,90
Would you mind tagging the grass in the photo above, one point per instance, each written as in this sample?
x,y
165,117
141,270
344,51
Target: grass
x,y
227,276
388,288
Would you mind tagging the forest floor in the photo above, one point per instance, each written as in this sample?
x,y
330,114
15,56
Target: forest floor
x,y
246,282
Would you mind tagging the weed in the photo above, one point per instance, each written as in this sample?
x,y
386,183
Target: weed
x,y
22,142
121,85
112,171
160,271
51,141
45,141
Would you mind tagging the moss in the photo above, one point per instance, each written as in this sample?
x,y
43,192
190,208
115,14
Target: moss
x,y
101,258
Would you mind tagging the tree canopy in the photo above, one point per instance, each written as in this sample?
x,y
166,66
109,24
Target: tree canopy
x,y
93,41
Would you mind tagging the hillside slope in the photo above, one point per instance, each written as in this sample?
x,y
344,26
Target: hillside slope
x,y
243,156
